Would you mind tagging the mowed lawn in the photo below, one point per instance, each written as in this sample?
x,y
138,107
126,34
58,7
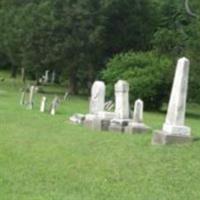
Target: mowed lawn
x,y
44,157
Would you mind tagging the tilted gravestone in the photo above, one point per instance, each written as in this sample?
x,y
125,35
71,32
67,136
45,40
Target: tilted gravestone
x,y
122,111
54,105
23,97
137,125
174,129
43,104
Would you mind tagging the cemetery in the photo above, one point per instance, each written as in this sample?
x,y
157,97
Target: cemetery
x,y
95,105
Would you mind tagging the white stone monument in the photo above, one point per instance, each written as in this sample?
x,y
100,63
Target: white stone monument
x,y
97,102
137,125
43,104
122,108
174,129
31,94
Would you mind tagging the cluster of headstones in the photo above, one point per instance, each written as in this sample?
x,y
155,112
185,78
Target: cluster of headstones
x,y
46,79
174,129
28,100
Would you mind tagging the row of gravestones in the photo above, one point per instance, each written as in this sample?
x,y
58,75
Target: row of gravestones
x,y
28,101
174,129
45,78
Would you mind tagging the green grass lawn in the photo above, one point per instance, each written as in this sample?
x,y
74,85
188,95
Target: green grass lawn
x,y
44,157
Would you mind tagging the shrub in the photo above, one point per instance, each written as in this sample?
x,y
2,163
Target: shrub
x,y
147,73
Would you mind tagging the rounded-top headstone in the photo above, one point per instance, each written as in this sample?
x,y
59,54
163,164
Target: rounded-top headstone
x,y
138,111
122,86
97,100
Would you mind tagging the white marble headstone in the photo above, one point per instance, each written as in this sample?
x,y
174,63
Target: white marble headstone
x,y
97,100
138,111
43,104
122,100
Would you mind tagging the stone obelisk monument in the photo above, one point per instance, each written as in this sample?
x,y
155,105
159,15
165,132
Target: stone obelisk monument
x,y
174,129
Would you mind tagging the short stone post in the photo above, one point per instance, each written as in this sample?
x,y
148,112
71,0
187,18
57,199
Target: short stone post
x,y
46,76
54,105
121,107
137,125
43,104
22,99
31,93
174,129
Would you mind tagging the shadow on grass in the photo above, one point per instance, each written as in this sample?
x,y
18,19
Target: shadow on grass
x,y
196,139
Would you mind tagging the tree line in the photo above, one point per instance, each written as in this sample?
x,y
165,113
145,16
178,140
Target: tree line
x,y
78,37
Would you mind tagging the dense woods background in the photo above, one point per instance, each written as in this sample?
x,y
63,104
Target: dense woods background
x,y
84,39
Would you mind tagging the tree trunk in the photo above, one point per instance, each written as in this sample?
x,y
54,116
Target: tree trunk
x,y
73,86
14,71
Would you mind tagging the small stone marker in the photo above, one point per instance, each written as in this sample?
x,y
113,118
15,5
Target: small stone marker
x,y
43,104
22,99
137,125
30,101
54,105
65,96
46,76
121,107
174,129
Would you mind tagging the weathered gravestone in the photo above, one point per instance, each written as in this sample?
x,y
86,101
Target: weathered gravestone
x,y
174,129
43,104
22,99
54,105
137,125
30,100
97,102
122,111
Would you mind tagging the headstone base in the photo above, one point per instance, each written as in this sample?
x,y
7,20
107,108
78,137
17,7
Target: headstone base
x,y
77,118
88,122
136,128
162,138
101,124
118,125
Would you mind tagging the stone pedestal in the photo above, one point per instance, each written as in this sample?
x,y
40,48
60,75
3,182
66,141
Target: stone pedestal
x,y
137,128
163,138
102,121
88,122
118,125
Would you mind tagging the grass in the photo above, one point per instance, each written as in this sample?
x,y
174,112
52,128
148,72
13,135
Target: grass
x,y
47,158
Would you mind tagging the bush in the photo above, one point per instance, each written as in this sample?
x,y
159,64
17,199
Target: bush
x,y
147,73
